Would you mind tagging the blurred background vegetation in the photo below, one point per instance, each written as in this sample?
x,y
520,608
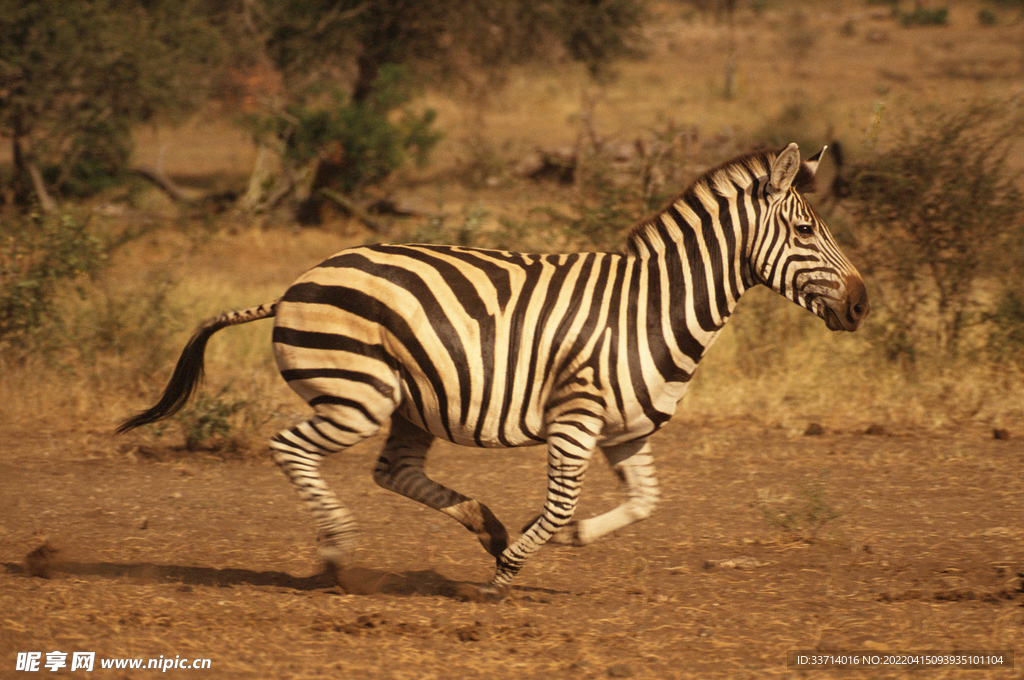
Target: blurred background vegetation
x,y
167,159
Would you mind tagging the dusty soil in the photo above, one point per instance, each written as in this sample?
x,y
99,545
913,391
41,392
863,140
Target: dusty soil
x,y
766,541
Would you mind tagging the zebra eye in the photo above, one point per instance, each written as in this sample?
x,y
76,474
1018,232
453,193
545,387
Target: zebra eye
x,y
805,229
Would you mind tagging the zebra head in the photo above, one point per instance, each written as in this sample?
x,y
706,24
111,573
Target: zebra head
x,y
796,256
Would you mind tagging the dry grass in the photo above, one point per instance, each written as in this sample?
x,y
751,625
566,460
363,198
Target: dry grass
x,y
860,75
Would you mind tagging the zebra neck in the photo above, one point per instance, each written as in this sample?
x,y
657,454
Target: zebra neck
x,y
695,268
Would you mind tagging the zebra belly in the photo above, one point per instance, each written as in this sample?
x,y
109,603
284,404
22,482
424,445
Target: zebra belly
x,y
466,435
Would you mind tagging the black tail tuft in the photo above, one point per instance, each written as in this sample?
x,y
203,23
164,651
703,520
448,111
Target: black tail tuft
x,y
187,376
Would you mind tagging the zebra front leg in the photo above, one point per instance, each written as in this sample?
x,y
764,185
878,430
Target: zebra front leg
x,y
401,469
569,450
634,465
298,452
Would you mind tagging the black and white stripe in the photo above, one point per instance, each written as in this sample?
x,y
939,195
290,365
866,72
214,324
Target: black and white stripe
x,y
486,348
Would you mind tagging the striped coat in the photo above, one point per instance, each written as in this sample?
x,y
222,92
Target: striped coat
x,y
581,352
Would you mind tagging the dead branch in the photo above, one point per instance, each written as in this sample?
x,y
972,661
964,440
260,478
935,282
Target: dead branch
x,y
164,183
347,204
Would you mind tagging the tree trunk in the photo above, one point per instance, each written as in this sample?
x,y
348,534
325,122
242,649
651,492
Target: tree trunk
x,y
46,202
262,179
24,168
367,67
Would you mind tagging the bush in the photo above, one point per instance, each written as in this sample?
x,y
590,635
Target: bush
x,y
604,205
37,255
923,16
939,223
97,159
987,17
354,144
76,77
209,419
1006,339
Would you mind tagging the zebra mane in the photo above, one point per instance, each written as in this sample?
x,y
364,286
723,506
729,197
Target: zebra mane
x,y
723,180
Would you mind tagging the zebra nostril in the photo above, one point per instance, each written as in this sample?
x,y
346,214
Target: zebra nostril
x,y
858,306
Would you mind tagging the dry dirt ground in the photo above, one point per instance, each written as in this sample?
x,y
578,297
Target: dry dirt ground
x,y
766,541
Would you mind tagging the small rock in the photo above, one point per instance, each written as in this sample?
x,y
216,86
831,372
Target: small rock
x,y
473,633
374,620
1000,433
814,430
39,561
876,430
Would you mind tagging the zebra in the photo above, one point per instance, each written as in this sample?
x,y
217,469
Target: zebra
x,y
488,348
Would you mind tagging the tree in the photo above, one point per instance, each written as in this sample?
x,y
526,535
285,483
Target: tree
x,y
446,37
364,43
75,76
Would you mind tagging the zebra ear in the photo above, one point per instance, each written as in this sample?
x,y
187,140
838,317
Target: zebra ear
x,y
812,162
784,169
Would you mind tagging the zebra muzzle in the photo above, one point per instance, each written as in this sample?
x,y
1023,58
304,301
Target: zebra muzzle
x,y
847,313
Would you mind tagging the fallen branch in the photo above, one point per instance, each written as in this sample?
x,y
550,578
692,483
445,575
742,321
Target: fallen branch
x,y
353,209
164,183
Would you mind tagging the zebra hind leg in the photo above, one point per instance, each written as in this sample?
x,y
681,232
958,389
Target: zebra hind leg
x,y
401,469
299,451
634,465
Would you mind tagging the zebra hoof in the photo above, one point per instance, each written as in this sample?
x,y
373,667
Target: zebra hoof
x,y
334,565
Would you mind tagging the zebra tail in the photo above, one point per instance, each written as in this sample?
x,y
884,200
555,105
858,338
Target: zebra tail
x,y
188,373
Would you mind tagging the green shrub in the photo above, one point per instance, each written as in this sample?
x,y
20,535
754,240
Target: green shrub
x,y
211,422
209,418
939,218
1006,336
355,144
97,159
924,16
128,320
37,255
